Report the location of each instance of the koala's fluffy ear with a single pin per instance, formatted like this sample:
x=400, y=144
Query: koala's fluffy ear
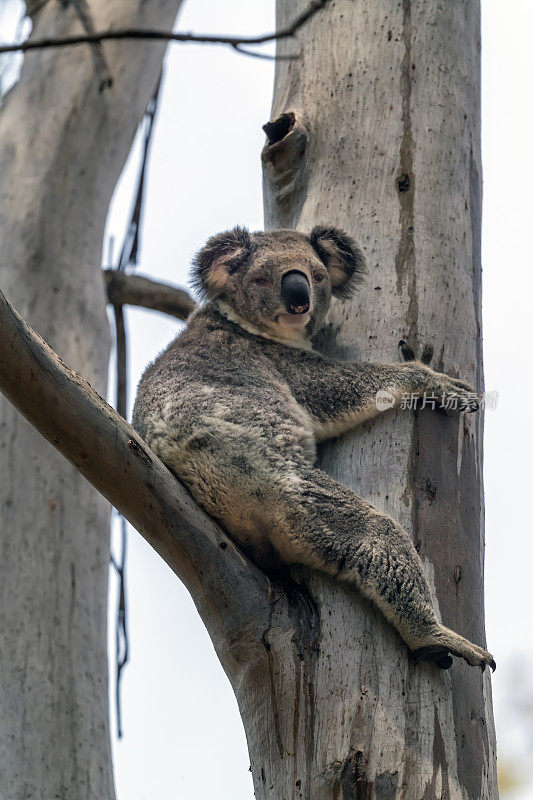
x=343, y=258
x=218, y=259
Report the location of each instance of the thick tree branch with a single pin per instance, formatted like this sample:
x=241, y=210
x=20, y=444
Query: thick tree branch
x=229, y=591
x=135, y=290
x=237, y=42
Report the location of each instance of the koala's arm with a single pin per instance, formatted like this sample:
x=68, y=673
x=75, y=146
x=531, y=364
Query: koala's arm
x=339, y=396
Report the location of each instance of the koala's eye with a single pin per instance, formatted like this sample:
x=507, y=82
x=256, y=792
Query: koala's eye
x=262, y=281
x=318, y=277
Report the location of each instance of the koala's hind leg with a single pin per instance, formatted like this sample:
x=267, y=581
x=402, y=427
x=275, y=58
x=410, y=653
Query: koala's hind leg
x=326, y=526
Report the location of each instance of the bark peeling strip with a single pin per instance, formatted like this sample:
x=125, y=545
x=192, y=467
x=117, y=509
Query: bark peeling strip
x=406, y=258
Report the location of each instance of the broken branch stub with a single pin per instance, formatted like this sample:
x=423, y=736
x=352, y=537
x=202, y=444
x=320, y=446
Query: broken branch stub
x=284, y=159
x=136, y=290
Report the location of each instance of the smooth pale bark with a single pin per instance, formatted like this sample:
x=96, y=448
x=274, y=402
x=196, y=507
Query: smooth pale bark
x=65, y=132
x=381, y=138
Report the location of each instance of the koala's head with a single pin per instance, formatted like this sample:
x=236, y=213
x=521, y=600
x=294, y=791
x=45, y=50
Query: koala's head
x=279, y=282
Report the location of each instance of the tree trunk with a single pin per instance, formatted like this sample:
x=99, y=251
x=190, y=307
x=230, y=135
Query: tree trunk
x=65, y=132
x=381, y=138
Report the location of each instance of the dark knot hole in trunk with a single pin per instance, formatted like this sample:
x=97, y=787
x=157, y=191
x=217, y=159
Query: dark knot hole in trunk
x=279, y=128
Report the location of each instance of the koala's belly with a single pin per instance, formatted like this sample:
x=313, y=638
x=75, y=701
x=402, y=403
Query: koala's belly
x=252, y=427
x=230, y=453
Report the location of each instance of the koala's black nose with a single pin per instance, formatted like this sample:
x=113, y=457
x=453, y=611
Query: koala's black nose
x=295, y=292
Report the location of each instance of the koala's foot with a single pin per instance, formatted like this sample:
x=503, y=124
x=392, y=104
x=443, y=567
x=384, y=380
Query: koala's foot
x=444, y=641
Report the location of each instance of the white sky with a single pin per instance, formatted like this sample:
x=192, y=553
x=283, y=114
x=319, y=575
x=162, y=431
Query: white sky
x=183, y=734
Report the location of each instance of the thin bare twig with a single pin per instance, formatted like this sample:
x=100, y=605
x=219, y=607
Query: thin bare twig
x=121, y=629
x=128, y=256
x=236, y=42
x=130, y=248
x=264, y=56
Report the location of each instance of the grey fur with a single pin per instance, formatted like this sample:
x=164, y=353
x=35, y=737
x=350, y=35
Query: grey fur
x=236, y=405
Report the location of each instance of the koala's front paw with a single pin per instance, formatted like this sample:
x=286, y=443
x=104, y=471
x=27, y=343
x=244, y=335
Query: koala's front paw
x=443, y=391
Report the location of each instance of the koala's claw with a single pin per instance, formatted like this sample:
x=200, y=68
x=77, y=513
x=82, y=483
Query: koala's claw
x=481, y=660
x=408, y=354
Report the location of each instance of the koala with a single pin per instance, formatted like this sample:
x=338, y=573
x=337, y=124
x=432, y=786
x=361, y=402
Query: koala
x=237, y=403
